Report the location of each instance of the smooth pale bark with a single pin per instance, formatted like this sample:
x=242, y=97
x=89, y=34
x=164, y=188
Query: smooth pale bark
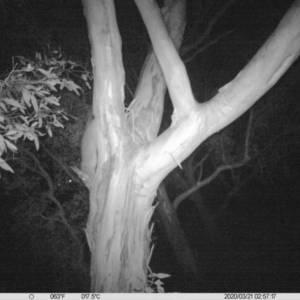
x=120, y=204
x=131, y=162
x=146, y=109
x=144, y=119
x=192, y=123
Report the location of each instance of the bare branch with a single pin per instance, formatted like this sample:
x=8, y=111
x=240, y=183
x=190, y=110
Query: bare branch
x=201, y=162
x=197, y=42
x=204, y=182
x=63, y=165
x=172, y=67
x=248, y=132
x=196, y=52
x=146, y=110
x=40, y=170
x=50, y=195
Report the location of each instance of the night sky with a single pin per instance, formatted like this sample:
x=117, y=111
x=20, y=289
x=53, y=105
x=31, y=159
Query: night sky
x=260, y=231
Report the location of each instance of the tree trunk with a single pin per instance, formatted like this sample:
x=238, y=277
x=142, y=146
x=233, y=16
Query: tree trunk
x=121, y=196
x=176, y=236
x=120, y=234
x=128, y=161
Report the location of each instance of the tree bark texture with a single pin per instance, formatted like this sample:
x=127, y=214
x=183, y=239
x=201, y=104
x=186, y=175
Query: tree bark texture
x=130, y=160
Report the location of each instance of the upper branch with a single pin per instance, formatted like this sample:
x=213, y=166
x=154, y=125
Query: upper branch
x=107, y=62
x=172, y=67
x=194, y=123
x=260, y=74
x=145, y=111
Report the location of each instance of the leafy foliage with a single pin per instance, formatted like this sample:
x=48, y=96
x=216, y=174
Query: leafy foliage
x=155, y=285
x=29, y=100
x=50, y=209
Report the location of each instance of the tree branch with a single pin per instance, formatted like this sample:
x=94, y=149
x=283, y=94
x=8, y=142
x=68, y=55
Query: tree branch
x=201, y=183
x=146, y=109
x=172, y=67
x=192, y=123
x=198, y=41
x=204, y=182
x=50, y=195
x=207, y=45
x=62, y=164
